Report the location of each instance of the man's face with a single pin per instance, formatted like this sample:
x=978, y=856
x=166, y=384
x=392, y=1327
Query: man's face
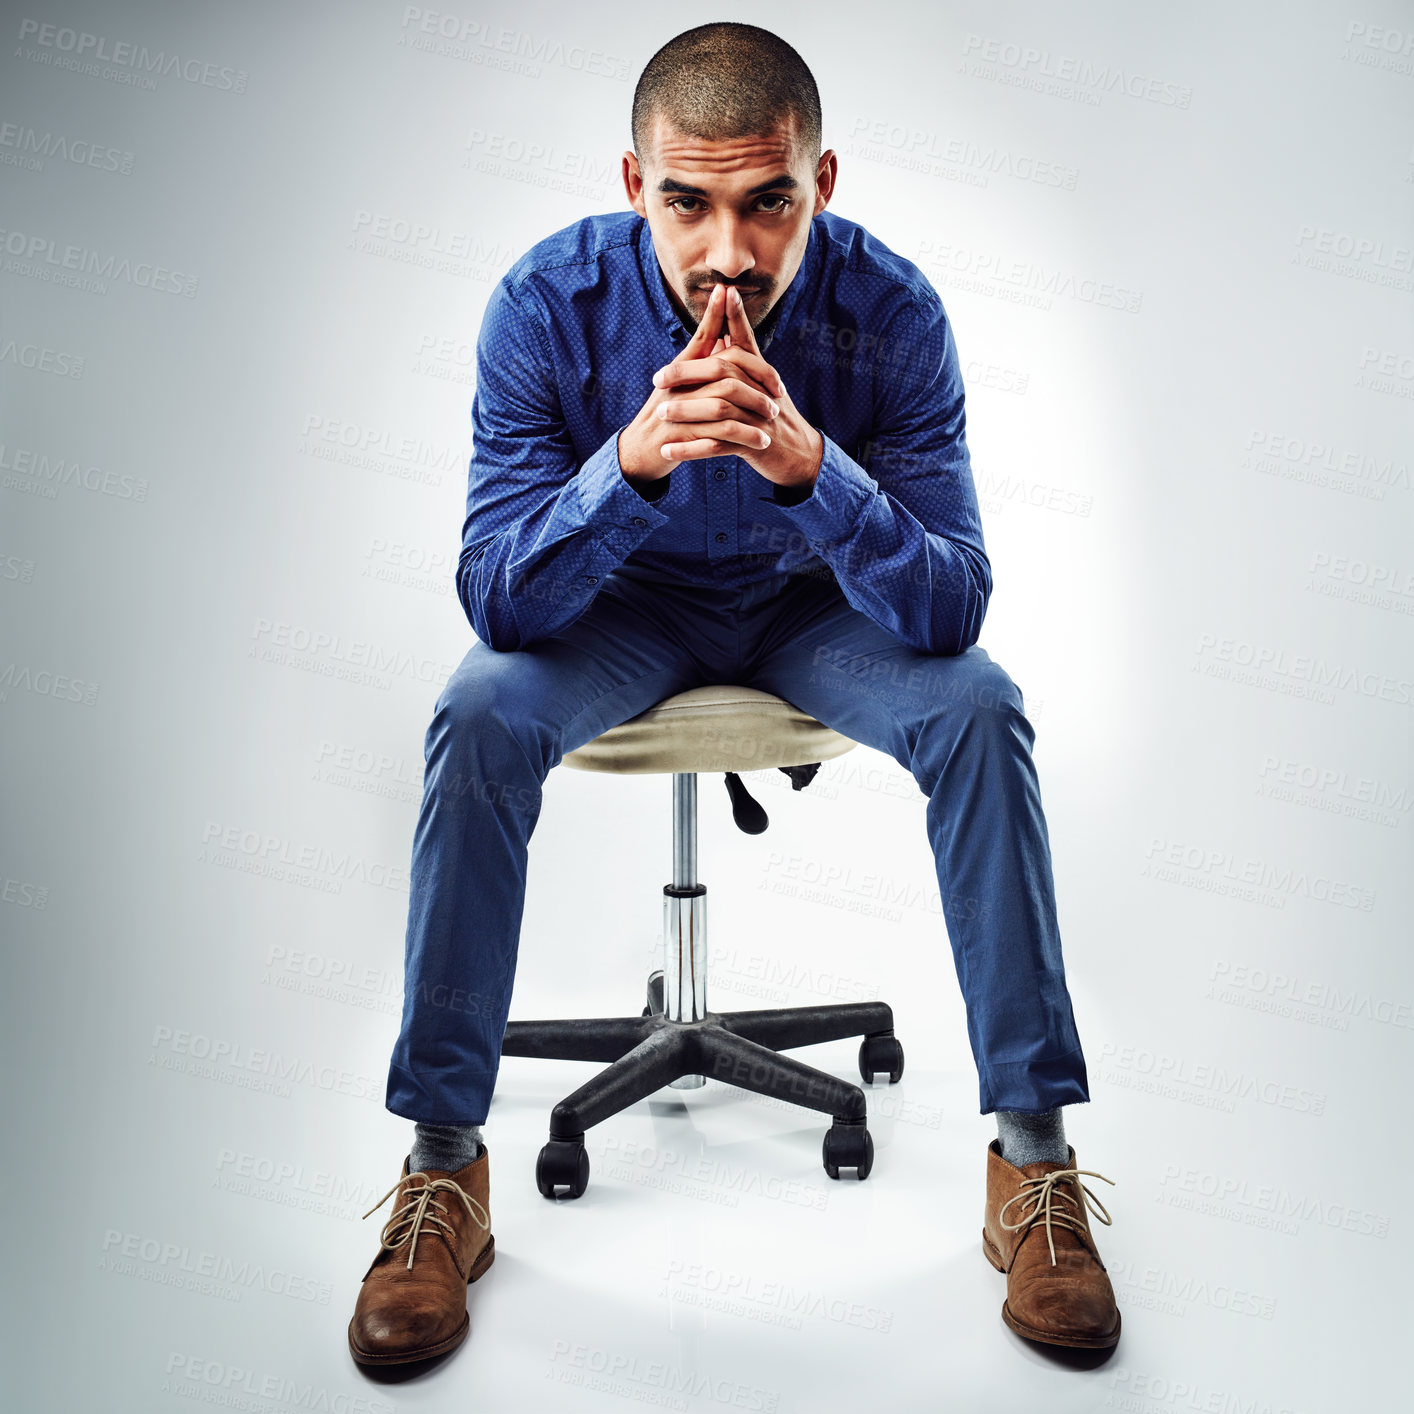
x=735, y=212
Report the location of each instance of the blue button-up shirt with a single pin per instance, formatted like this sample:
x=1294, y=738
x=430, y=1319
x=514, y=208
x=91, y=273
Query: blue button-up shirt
x=571, y=338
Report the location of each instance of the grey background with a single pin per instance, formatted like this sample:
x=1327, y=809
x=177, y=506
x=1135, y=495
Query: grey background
x=249, y=435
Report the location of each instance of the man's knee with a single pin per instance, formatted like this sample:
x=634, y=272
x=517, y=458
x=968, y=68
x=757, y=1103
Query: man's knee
x=979, y=706
x=995, y=691
x=487, y=693
x=972, y=684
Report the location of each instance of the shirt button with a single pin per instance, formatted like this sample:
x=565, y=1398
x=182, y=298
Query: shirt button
x=638, y=520
x=719, y=474
x=721, y=537
x=591, y=579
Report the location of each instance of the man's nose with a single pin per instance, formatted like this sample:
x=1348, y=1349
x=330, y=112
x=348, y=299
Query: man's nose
x=729, y=257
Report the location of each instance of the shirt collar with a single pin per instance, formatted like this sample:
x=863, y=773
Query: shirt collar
x=668, y=316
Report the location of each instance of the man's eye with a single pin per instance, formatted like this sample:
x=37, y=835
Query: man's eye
x=676, y=204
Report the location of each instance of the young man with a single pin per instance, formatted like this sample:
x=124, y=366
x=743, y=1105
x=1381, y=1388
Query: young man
x=721, y=438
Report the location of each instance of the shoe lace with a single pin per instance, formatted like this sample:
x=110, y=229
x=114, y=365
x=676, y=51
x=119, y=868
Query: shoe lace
x=408, y=1221
x=1042, y=1192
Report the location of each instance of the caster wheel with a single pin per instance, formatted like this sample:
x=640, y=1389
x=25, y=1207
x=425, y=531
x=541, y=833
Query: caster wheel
x=562, y=1164
x=880, y=1053
x=848, y=1146
x=655, y=995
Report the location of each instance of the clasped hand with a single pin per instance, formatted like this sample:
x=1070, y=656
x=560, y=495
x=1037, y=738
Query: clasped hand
x=721, y=399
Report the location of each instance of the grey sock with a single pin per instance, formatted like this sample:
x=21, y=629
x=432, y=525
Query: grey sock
x=444, y=1146
x=1029, y=1139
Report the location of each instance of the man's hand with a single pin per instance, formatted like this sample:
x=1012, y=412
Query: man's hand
x=725, y=400
x=714, y=408
x=641, y=442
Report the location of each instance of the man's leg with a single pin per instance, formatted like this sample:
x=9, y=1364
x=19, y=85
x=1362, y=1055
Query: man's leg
x=501, y=722
x=958, y=724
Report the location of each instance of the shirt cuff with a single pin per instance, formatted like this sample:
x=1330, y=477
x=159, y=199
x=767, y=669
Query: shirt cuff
x=653, y=490
x=837, y=500
x=609, y=501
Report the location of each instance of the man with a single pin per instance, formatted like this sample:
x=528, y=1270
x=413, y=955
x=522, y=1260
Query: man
x=721, y=438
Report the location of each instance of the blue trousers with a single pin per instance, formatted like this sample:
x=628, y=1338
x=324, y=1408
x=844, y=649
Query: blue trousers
x=503, y=719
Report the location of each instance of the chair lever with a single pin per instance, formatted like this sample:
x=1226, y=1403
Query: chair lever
x=800, y=776
x=746, y=809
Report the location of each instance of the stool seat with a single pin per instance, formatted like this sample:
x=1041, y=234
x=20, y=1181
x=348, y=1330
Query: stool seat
x=719, y=727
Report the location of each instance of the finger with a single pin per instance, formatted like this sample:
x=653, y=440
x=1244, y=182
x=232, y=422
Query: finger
x=709, y=328
x=730, y=363
x=723, y=343
x=691, y=451
x=697, y=345
x=738, y=325
x=755, y=366
x=730, y=398
x=740, y=434
x=740, y=390
x=701, y=447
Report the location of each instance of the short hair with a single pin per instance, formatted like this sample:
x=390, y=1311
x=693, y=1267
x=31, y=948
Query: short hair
x=726, y=80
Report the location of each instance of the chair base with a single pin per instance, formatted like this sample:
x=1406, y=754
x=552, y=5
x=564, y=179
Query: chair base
x=647, y=1052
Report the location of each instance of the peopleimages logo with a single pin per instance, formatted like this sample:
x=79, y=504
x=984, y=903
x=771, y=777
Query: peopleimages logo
x=1308, y=999
x=1210, y=1077
x=454, y=37
x=42, y=257
x=1334, y=791
x=900, y=140
x=206, y=1273
x=238, y=846
x=237, y=1387
x=281, y=642
x=653, y=1381
x=66, y=48
x=1033, y=67
x=1263, y=1205
x=25, y=146
x=41, y=359
x=748, y=1294
x=1171, y=860
x=1300, y=674
x=51, y=472
x=252, y=1067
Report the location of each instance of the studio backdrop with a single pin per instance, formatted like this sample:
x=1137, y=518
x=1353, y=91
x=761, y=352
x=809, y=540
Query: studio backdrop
x=244, y=255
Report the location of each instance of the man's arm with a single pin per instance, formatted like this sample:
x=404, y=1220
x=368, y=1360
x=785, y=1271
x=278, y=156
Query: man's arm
x=904, y=537
x=541, y=530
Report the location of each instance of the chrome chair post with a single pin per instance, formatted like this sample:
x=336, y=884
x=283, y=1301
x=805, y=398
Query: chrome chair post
x=685, y=921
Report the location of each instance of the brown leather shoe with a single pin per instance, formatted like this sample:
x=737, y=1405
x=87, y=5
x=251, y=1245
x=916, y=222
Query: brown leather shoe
x=1037, y=1231
x=412, y=1304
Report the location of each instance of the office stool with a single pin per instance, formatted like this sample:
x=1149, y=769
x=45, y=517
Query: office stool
x=677, y=1041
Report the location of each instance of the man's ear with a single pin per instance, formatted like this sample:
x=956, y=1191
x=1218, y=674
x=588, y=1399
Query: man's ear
x=825, y=173
x=633, y=183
